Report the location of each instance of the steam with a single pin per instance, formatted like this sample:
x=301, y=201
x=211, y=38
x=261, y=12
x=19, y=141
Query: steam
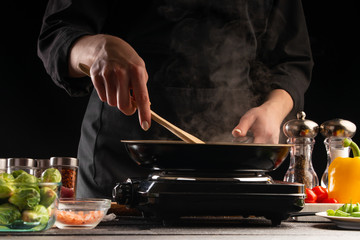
x=215, y=53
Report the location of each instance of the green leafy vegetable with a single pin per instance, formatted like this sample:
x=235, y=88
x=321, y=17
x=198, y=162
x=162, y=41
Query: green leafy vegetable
x=6, y=189
x=47, y=196
x=9, y=213
x=26, y=178
x=38, y=214
x=28, y=200
x=6, y=177
x=16, y=173
x=25, y=198
x=51, y=175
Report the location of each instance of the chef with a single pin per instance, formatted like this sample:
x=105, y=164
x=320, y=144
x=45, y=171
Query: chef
x=214, y=68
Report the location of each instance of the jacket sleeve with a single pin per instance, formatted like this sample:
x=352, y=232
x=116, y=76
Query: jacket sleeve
x=65, y=21
x=286, y=50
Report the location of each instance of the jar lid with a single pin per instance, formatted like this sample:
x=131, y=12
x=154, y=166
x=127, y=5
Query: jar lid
x=42, y=163
x=300, y=127
x=3, y=163
x=338, y=128
x=21, y=162
x=64, y=161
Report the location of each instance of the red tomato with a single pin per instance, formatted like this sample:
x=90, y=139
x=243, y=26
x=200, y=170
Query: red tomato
x=329, y=200
x=310, y=196
x=321, y=193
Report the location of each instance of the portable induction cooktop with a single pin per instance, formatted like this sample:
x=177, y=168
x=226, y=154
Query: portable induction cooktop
x=171, y=195
x=211, y=179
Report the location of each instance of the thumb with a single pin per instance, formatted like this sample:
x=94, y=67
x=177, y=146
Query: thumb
x=243, y=127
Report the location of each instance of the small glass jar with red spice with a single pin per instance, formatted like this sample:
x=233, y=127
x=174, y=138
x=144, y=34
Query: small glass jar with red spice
x=68, y=167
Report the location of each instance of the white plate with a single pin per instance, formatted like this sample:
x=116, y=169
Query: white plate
x=342, y=222
x=314, y=208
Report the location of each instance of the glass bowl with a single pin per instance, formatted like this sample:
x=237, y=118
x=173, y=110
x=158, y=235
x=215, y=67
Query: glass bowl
x=81, y=213
x=27, y=207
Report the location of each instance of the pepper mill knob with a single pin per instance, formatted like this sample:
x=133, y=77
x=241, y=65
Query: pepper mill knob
x=338, y=128
x=301, y=115
x=300, y=127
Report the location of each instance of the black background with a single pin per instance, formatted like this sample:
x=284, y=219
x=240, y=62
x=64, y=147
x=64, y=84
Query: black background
x=40, y=120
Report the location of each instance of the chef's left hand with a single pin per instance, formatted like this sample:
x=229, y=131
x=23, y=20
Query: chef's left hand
x=265, y=120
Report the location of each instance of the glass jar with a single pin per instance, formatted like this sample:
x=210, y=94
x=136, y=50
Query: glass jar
x=301, y=133
x=334, y=148
x=301, y=169
x=68, y=167
x=26, y=164
x=3, y=164
x=334, y=131
x=41, y=166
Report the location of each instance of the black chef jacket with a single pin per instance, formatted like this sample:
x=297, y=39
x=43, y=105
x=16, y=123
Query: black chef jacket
x=209, y=61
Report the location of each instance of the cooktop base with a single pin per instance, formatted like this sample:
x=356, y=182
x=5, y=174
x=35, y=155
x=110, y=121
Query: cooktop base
x=171, y=199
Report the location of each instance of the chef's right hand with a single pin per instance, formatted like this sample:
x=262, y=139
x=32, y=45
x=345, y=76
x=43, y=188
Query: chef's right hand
x=265, y=120
x=118, y=73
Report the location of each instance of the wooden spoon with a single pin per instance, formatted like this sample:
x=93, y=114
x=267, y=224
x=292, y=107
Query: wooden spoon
x=185, y=136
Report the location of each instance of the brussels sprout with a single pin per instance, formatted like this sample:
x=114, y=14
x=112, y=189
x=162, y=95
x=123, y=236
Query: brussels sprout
x=25, y=198
x=38, y=214
x=47, y=196
x=6, y=177
x=51, y=175
x=8, y=213
x=25, y=177
x=50, y=211
x=16, y=173
x=6, y=189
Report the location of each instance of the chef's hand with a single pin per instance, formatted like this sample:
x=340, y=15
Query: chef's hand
x=265, y=121
x=118, y=73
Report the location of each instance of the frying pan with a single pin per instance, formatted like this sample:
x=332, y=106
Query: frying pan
x=211, y=156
